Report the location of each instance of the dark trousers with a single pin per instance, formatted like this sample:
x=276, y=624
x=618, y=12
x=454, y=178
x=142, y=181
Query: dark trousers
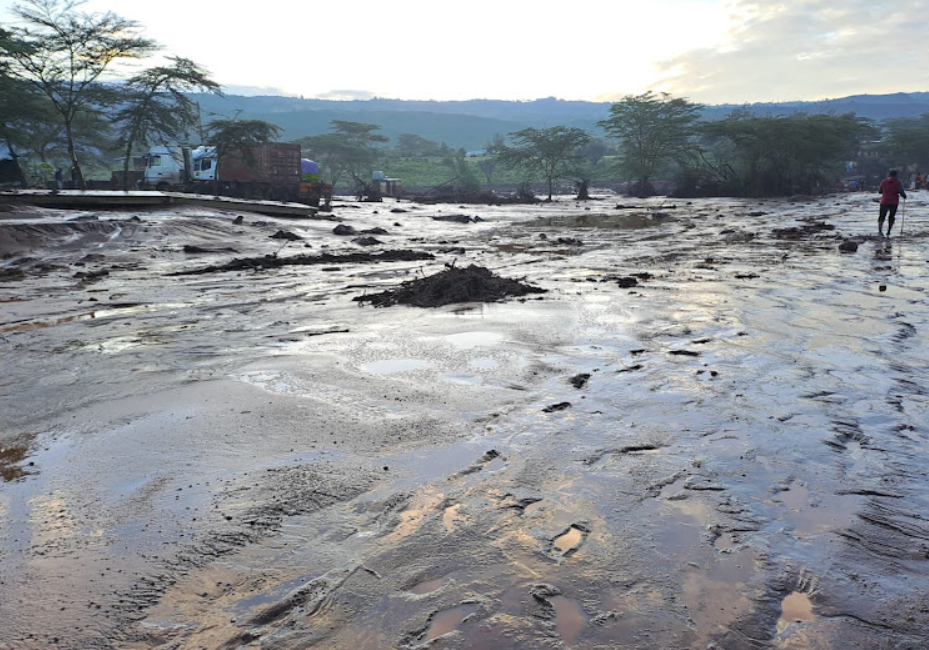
x=887, y=210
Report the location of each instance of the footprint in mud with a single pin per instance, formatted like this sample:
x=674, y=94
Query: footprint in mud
x=447, y=621
x=568, y=615
x=568, y=542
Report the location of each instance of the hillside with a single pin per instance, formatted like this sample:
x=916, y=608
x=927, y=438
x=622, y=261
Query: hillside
x=470, y=124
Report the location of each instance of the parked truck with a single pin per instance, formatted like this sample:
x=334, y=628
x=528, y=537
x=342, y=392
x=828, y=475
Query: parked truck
x=272, y=171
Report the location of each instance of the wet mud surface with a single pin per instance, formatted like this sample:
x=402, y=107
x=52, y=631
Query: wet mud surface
x=709, y=431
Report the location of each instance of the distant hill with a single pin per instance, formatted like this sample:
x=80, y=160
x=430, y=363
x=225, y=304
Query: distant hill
x=471, y=124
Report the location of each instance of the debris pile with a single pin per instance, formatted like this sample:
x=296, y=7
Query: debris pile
x=453, y=285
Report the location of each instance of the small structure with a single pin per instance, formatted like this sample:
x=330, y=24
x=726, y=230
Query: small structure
x=392, y=187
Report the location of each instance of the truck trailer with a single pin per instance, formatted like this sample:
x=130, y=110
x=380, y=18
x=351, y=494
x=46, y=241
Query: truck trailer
x=271, y=171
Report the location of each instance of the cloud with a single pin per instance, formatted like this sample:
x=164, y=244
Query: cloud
x=812, y=49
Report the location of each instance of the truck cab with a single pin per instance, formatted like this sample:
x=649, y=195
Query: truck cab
x=166, y=167
x=203, y=164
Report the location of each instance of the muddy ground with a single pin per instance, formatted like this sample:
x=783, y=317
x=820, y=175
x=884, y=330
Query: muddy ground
x=709, y=432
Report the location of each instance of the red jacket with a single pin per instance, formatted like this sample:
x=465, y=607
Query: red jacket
x=891, y=191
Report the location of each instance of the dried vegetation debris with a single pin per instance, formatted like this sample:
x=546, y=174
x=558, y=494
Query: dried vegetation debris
x=453, y=285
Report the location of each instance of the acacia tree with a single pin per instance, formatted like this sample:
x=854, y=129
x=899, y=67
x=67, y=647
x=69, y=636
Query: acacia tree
x=63, y=52
x=652, y=130
x=906, y=140
x=550, y=153
x=155, y=105
x=770, y=156
x=349, y=148
x=23, y=112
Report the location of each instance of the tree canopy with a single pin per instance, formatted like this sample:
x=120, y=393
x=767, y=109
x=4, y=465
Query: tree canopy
x=765, y=156
x=349, y=148
x=63, y=52
x=155, y=105
x=653, y=131
x=551, y=153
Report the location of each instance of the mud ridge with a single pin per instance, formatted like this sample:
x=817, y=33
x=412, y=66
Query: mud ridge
x=273, y=262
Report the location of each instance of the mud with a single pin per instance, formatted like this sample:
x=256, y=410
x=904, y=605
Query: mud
x=730, y=453
x=453, y=285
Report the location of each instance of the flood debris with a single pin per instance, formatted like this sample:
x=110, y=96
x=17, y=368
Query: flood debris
x=580, y=380
x=453, y=285
x=804, y=231
x=848, y=246
x=454, y=218
x=286, y=234
x=344, y=230
x=272, y=261
x=554, y=408
x=192, y=249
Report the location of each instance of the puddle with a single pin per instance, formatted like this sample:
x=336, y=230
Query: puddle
x=796, y=497
x=460, y=378
x=427, y=587
x=465, y=340
x=530, y=509
x=673, y=489
x=724, y=542
x=390, y=366
x=716, y=597
x=568, y=541
x=814, y=516
x=797, y=608
x=570, y=618
x=447, y=621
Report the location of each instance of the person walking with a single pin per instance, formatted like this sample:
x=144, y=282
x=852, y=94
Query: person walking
x=891, y=190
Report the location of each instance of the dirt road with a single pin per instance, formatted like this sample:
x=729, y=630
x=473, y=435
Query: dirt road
x=709, y=432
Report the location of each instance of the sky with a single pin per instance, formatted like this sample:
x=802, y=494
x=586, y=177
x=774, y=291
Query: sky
x=709, y=51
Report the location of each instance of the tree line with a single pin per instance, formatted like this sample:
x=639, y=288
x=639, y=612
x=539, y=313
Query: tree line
x=56, y=106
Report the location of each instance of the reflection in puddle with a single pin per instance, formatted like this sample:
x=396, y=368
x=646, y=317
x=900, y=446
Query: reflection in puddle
x=568, y=541
x=717, y=597
x=673, y=489
x=797, y=608
x=796, y=497
x=814, y=516
x=447, y=621
x=531, y=508
x=427, y=587
x=388, y=366
x=569, y=618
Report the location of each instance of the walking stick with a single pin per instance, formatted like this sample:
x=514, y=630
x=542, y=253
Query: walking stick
x=903, y=216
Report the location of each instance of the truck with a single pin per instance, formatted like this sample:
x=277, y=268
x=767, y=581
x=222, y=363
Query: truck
x=272, y=171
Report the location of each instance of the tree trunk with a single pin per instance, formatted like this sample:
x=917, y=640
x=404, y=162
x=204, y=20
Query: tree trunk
x=15, y=157
x=583, y=193
x=126, y=160
x=77, y=174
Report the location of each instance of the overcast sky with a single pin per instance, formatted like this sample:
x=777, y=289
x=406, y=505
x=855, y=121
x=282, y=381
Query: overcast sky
x=710, y=51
